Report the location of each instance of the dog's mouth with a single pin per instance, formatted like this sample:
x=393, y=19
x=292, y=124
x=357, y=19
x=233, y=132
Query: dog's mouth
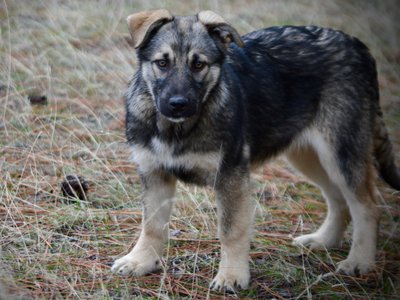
x=176, y=120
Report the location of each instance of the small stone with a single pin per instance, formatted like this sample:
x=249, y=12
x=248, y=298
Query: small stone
x=37, y=99
x=75, y=187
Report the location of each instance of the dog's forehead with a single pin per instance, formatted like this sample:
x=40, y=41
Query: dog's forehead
x=182, y=36
x=186, y=24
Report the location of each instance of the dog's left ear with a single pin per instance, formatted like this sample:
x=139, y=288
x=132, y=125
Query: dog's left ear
x=141, y=24
x=219, y=28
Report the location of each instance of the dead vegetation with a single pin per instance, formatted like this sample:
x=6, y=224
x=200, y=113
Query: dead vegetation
x=77, y=55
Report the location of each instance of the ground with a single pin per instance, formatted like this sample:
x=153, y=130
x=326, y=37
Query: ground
x=74, y=60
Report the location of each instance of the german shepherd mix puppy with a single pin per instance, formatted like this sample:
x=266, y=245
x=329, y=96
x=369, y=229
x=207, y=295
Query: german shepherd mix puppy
x=207, y=106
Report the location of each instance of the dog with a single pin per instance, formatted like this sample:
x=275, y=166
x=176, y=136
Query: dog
x=208, y=106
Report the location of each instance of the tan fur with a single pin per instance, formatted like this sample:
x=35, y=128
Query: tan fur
x=312, y=155
x=235, y=220
x=229, y=34
x=145, y=255
x=208, y=17
x=330, y=233
x=142, y=22
x=365, y=217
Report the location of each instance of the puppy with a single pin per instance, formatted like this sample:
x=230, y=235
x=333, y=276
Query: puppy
x=207, y=106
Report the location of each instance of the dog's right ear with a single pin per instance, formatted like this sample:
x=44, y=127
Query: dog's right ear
x=141, y=24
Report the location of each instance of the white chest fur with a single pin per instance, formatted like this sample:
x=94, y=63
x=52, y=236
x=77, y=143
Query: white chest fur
x=162, y=155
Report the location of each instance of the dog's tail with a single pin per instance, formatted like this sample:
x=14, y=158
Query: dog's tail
x=384, y=154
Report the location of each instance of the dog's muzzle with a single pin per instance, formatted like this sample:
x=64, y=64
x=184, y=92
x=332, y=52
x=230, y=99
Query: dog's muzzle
x=178, y=108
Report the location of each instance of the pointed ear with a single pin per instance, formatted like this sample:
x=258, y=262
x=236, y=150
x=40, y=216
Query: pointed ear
x=219, y=28
x=141, y=24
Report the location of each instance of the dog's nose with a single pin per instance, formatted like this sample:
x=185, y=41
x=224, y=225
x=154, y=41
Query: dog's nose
x=178, y=103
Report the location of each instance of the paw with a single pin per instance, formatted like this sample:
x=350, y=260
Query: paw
x=136, y=264
x=315, y=241
x=229, y=279
x=355, y=267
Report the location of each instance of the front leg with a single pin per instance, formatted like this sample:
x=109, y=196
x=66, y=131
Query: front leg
x=157, y=204
x=235, y=218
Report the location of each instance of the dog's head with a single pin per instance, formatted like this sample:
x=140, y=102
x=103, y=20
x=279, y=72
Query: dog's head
x=180, y=57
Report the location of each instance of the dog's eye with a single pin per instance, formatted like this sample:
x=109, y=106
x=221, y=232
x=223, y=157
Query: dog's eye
x=198, y=66
x=162, y=63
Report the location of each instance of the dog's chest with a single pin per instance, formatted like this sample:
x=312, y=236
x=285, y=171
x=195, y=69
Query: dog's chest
x=192, y=166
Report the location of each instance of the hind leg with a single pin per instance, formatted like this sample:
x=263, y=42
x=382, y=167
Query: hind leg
x=365, y=216
x=352, y=173
x=330, y=233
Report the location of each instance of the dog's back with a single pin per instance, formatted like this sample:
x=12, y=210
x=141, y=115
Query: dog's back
x=294, y=78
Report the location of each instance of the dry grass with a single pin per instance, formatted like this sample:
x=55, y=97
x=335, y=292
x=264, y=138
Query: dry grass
x=76, y=53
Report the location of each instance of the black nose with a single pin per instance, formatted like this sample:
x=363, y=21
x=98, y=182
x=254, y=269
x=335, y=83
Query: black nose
x=178, y=103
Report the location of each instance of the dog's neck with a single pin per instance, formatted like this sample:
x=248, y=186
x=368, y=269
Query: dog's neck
x=169, y=130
